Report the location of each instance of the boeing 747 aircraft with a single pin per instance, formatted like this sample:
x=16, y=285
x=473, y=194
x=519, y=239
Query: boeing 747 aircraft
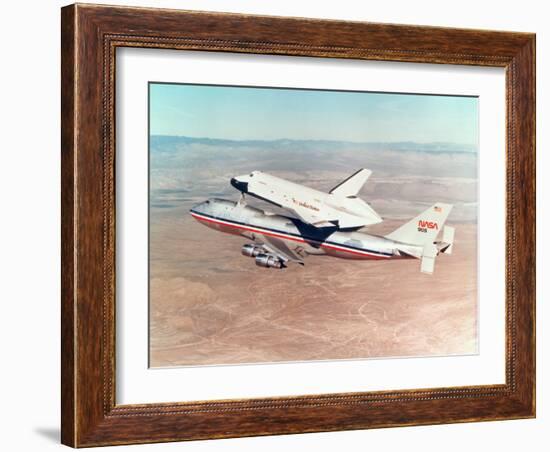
x=275, y=241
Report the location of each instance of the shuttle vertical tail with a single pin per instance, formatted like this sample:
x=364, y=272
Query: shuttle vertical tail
x=353, y=184
x=424, y=228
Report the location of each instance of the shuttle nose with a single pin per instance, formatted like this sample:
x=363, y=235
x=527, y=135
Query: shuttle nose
x=241, y=186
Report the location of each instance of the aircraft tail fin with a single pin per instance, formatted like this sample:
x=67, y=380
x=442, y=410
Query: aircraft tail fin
x=353, y=184
x=423, y=229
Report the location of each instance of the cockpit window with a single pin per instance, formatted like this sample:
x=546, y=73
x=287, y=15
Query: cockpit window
x=251, y=174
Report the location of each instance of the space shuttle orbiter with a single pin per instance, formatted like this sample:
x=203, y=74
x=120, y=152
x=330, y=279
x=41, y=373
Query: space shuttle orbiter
x=340, y=207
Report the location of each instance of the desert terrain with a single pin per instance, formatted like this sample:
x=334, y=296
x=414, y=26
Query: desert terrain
x=211, y=305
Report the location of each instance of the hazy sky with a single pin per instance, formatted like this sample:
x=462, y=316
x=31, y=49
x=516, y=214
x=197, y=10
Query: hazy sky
x=266, y=114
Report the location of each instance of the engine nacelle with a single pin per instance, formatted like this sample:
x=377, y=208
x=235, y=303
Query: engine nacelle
x=251, y=250
x=268, y=261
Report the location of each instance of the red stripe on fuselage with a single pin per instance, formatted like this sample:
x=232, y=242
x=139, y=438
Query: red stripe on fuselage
x=286, y=237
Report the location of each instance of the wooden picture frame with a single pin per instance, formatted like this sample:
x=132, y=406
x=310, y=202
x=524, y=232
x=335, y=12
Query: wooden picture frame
x=90, y=36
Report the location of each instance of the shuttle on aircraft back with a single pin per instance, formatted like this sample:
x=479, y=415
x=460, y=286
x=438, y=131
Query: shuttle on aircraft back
x=321, y=226
x=340, y=208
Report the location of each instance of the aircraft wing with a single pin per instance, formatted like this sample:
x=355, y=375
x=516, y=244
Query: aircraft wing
x=279, y=248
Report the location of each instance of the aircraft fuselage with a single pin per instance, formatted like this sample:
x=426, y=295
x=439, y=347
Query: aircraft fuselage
x=239, y=219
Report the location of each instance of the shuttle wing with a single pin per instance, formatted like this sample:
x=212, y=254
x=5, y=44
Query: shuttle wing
x=329, y=216
x=342, y=213
x=313, y=218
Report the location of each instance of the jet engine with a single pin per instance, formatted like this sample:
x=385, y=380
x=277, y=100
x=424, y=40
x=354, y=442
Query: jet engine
x=251, y=250
x=268, y=261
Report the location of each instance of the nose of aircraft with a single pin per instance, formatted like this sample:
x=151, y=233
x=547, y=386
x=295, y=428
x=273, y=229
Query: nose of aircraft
x=200, y=208
x=239, y=185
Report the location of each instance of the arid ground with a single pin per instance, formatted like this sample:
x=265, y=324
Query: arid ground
x=211, y=305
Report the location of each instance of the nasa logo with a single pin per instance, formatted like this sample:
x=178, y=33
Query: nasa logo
x=424, y=225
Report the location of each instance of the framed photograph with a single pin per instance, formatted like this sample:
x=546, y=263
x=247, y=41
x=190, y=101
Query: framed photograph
x=282, y=225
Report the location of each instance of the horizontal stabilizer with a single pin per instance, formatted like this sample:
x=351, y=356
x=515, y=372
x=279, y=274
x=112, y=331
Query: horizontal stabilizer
x=353, y=184
x=427, y=263
x=448, y=237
